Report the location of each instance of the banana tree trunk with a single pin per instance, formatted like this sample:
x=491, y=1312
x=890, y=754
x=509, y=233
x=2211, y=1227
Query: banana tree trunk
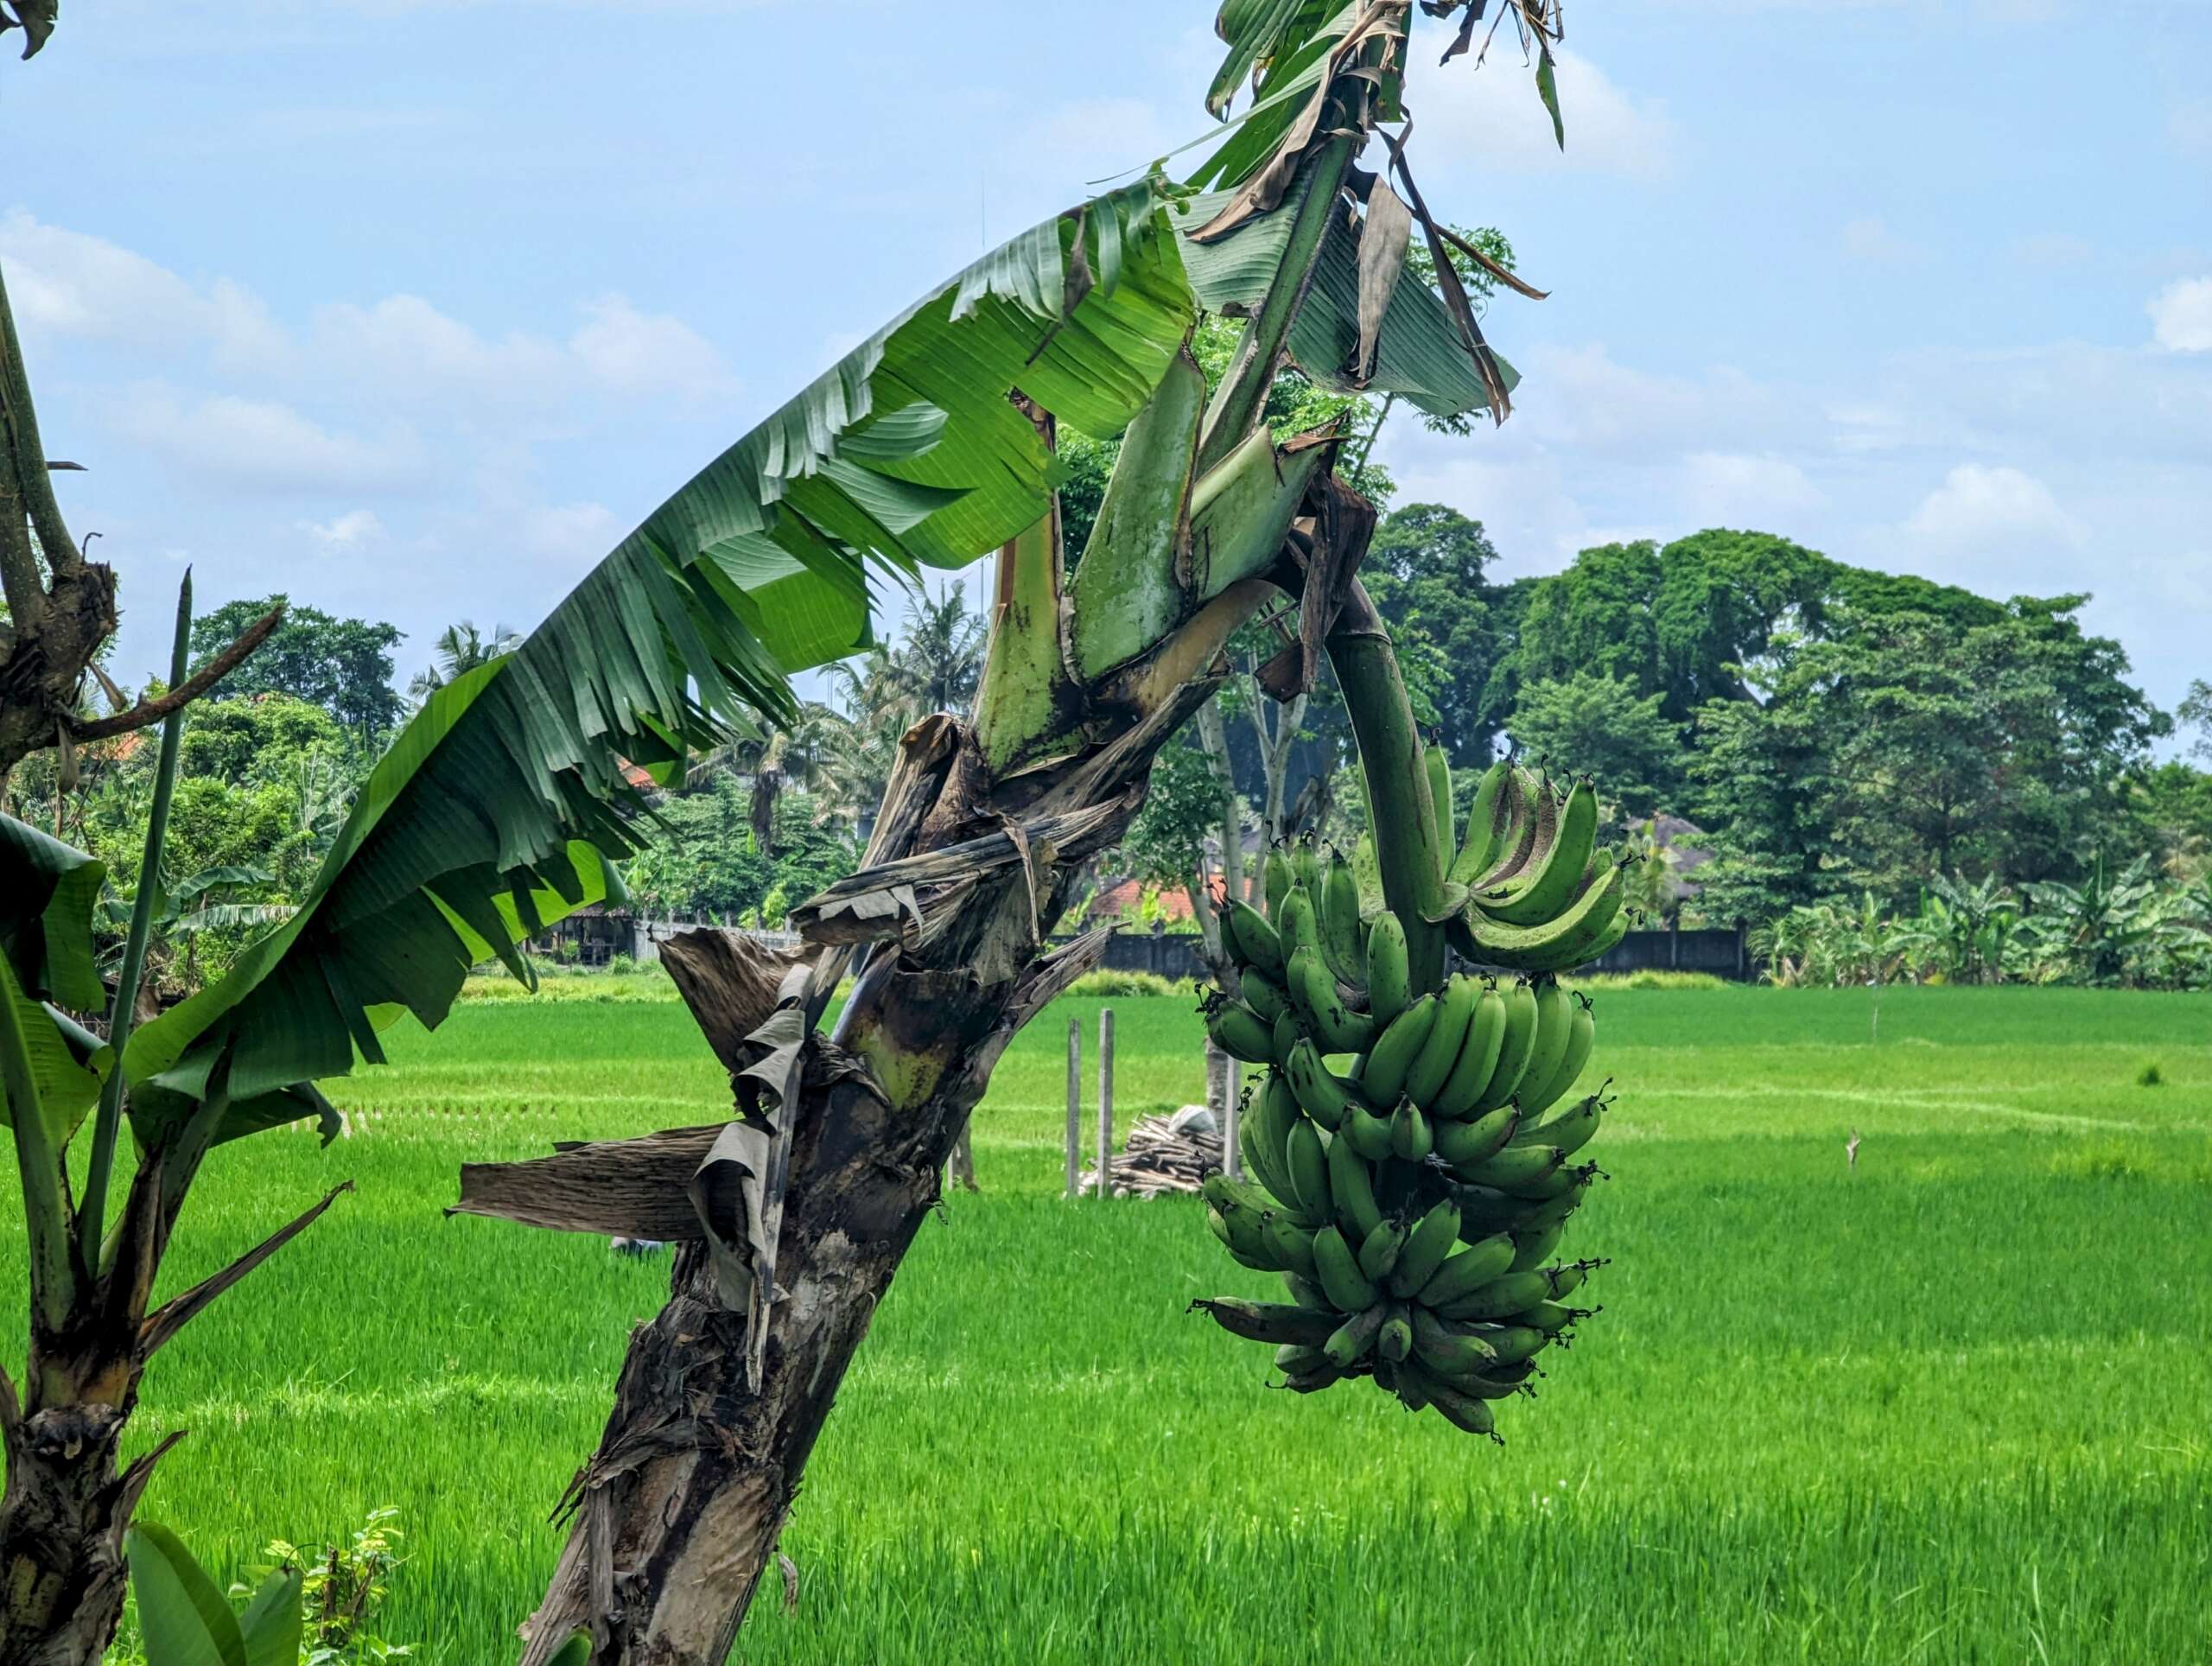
x=68, y=1501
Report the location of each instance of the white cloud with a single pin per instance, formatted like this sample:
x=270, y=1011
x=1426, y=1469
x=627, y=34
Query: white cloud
x=1727, y=489
x=350, y=530
x=264, y=446
x=568, y=530
x=2181, y=315
x=1996, y=511
x=646, y=354
x=1494, y=114
x=1869, y=238
x=71, y=284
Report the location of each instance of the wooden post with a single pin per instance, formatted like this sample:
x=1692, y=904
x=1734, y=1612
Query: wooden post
x=1231, y=1118
x=1105, y=1101
x=1075, y=1104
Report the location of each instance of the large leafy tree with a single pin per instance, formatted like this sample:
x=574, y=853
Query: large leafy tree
x=344, y=665
x=1590, y=724
x=1428, y=571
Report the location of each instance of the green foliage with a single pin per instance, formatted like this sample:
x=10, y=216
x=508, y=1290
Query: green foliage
x=1108, y=985
x=1426, y=570
x=1167, y=843
x=1595, y=725
x=2128, y=929
x=704, y=857
x=183, y=1620
x=343, y=665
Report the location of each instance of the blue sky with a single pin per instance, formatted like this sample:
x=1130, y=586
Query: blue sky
x=412, y=310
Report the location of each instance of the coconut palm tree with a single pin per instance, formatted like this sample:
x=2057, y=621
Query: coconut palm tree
x=460, y=648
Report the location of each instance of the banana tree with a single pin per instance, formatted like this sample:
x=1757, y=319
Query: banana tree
x=507, y=802
x=794, y=1215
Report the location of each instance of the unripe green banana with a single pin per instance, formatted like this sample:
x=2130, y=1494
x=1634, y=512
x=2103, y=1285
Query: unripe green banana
x=1558, y=946
x=1439, y=797
x=1321, y=1093
x=1383, y=1080
x=1567, y=1280
x=1430, y=1331
x=1226, y=1195
x=1295, y=1361
x=1351, y=1340
x=1238, y=1032
x=1560, y=1205
x=1555, y=1183
x=1478, y=1060
x=1338, y=1270
x=1522, y=801
x=1308, y=1162
x=1314, y=994
x=1488, y=819
x=1306, y=867
x=1473, y=1268
x=1240, y=1230
x=1306, y=1292
x=1276, y=878
x=1516, y=1166
x=1290, y=1244
x=1430, y=1242
x=1267, y=1138
x=1389, y=991
x=1581, y=1038
x=1351, y=1188
x=1380, y=1249
x=1264, y=994
x=1555, y=1020
x=1515, y=1345
x=1367, y=1133
x=1254, y=940
x=1451, y=1357
x=1514, y=1293
x=1463, y=1411
x=1324, y=1377
x=1512, y=1051
x=1572, y=1129
x=1395, y=1339
x=1469, y=1145
x=1217, y=1223
x=1411, y=1140
x=1531, y=1248
x=1548, y=1318
x=1267, y=1321
x=1338, y=908
x=1432, y=1065
x=1297, y=925
x=1545, y=889
x=1286, y=1033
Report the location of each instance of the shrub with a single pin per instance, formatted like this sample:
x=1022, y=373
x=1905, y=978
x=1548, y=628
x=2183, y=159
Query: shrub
x=1124, y=985
x=2149, y=1076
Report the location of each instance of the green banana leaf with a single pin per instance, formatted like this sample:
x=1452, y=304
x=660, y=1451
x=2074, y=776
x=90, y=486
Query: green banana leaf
x=183, y=1620
x=1419, y=354
x=500, y=807
x=47, y=893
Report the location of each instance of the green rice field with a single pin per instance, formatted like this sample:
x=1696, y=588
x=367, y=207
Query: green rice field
x=1953, y=1405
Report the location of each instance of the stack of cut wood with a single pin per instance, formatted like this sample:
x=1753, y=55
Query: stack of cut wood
x=1164, y=1153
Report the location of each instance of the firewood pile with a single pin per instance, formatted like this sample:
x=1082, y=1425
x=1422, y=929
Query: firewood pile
x=1163, y=1154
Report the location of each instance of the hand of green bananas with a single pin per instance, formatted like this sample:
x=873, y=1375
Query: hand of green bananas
x=1411, y=1203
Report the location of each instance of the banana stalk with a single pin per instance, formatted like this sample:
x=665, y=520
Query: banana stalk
x=1394, y=766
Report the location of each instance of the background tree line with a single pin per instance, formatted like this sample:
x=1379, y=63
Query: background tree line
x=1861, y=756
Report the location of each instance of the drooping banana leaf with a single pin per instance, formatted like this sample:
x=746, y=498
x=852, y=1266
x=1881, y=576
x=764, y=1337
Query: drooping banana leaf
x=500, y=808
x=1419, y=354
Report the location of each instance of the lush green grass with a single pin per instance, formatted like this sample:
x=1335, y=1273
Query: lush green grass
x=1947, y=1408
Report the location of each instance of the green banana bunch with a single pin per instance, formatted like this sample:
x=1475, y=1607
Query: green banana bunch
x=1413, y=1149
